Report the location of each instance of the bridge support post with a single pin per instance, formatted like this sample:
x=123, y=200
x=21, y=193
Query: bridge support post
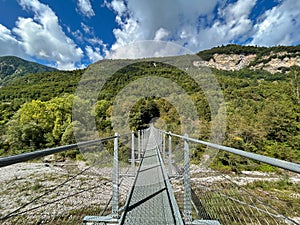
x=164, y=146
x=132, y=153
x=187, y=183
x=170, y=154
x=142, y=141
x=139, y=145
x=160, y=139
x=115, y=197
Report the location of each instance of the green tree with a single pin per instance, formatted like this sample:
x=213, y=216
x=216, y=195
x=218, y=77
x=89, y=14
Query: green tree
x=295, y=80
x=40, y=124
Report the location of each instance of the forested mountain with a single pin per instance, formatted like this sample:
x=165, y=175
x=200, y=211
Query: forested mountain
x=12, y=67
x=263, y=108
x=247, y=50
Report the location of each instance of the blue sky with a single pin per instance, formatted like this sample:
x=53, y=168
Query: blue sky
x=69, y=34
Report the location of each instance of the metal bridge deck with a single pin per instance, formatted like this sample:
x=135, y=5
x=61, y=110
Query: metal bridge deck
x=150, y=199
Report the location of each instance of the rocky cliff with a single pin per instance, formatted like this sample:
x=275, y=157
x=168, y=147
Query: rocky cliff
x=272, y=61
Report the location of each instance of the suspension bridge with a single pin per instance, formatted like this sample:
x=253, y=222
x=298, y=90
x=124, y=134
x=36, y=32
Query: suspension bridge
x=159, y=185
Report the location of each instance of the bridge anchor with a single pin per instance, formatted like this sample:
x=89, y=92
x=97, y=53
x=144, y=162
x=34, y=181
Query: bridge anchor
x=99, y=220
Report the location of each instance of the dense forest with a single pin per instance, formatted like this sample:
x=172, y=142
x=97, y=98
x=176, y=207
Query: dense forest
x=263, y=109
x=12, y=67
x=249, y=50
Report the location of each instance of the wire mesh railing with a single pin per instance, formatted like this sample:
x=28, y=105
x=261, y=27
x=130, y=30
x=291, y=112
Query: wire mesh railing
x=60, y=192
x=64, y=193
x=236, y=199
x=240, y=197
x=49, y=195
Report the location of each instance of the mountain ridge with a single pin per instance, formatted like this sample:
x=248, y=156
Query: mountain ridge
x=12, y=67
x=232, y=57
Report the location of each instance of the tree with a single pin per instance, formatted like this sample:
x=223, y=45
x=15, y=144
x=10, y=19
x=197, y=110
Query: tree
x=295, y=80
x=143, y=112
x=40, y=124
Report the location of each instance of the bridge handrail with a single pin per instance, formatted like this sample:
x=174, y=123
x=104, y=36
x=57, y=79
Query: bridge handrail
x=9, y=160
x=294, y=167
x=170, y=192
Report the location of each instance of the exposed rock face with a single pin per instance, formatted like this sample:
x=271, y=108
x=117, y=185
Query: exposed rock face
x=230, y=62
x=233, y=62
x=275, y=64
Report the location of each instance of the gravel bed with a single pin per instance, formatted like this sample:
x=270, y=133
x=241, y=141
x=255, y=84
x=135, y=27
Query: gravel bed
x=40, y=193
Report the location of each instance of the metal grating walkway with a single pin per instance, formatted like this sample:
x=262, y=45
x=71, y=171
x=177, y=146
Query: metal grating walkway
x=151, y=200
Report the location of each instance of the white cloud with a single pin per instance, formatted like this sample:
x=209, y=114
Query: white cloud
x=189, y=23
x=93, y=54
x=9, y=45
x=147, y=49
x=85, y=7
x=161, y=34
x=95, y=41
x=77, y=34
x=238, y=10
x=196, y=25
x=86, y=28
x=43, y=37
x=279, y=25
x=118, y=6
x=233, y=24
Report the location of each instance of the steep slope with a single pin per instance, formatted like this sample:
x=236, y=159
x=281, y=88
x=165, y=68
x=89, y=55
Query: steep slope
x=277, y=59
x=12, y=67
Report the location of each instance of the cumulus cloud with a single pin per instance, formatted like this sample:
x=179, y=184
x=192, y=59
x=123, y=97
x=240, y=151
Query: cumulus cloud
x=199, y=25
x=43, y=37
x=9, y=45
x=93, y=54
x=147, y=49
x=85, y=7
x=191, y=24
x=161, y=34
x=279, y=25
x=233, y=24
x=118, y=6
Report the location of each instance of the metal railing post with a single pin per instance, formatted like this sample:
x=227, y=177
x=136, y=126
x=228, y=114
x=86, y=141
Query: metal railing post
x=164, y=146
x=161, y=140
x=115, y=197
x=187, y=183
x=139, y=145
x=170, y=154
x=132, y=152
x=143, y=140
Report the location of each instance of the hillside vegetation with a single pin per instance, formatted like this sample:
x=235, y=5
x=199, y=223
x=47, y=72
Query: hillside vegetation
x=263, y=109
x=248, y=50
x=12, y=67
